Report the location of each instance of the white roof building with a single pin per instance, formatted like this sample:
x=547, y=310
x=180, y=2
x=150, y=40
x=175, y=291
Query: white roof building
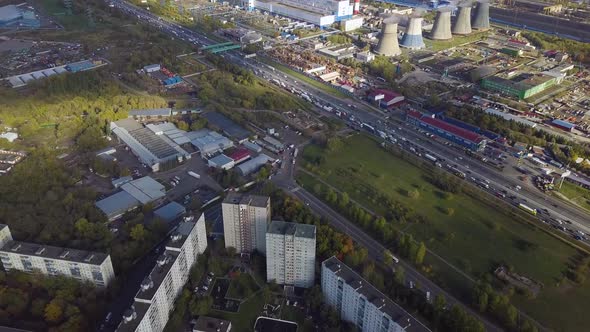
x=10, y=136
x=208, y=141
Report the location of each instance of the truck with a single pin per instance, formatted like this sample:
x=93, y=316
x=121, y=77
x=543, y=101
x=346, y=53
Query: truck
x=193, y=174
x=382, y=134
x=527, y=209
x=430, y=157
x=368, y=127
x=295, y=153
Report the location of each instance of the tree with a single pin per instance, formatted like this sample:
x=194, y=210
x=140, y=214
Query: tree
x=399, y=275
x=420, y=254
x=439, y=305
x=387, y=257
x=138, y=233
x=53, y=311
x=201, y=305
x=182, y=125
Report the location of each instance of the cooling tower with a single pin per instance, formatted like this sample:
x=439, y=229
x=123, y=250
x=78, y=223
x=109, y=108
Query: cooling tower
x=413, y=36
x=441, y=30
x=388, y=44
x=463, y=21
x=481, y=19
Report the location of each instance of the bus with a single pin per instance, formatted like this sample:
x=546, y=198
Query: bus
x=527, y=209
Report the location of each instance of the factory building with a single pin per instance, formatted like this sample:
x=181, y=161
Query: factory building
x=155, y=151
x=446, y=130
x=253, y=164
x=360, y=303
x=510, y=117
x=93, y=267
x=521, y=86
x=290, y=254
x=228, y=126
x=158, y=292
x=321, y=13
x=170, y=211
x=245, y=219
x=150, y=114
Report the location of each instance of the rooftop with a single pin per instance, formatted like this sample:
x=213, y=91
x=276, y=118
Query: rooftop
x=463, y=133
x=9, y=13
x=221, y=160
x=227, y=125
x=245, y=199
x=180, y=234
x=151, y=112
x=153, y=281
x=239, y=154
x=373, y=295
x=170, y=211
x=144, y=189
x=291, y=228
x=117, y=204
x=45, y=251
x=210, y=324
x=129, y=325
x=266, y=324
x=564, y=124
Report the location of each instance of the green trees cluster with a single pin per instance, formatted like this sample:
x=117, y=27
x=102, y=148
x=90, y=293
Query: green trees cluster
x=339, y=39
x=39, y=303
x=486, y=300
x=579, y=50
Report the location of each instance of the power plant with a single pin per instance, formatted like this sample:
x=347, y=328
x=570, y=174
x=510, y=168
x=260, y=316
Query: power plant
x=413, y=37
x=388, y=44
x=462, y=24
x=481, y=19
x=441, y=30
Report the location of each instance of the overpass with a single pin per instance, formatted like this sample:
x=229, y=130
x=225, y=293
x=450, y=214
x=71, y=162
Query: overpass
x=220, y=48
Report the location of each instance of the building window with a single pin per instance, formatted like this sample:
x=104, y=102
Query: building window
x=27, y=264
x=97, y=275
x=75, y=271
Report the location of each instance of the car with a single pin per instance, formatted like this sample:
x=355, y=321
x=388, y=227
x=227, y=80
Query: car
x=211, y=274
x=108, y=317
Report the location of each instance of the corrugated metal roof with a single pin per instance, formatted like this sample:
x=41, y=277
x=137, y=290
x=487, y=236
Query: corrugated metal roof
x=170, y=211
x=463, y=133
x=144, y=189
x=221, y=160
x=564, y=124
x=117, y=204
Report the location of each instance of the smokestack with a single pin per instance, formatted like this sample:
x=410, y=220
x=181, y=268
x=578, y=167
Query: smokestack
x=481, y=19
x=463, y=21
x=357, y=6
x=413, y=37
x=441, y=30
x=388, y=44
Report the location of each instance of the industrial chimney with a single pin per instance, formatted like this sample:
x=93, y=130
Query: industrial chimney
x=441, y=30
x=413, y=37
x=481, y=19
x=462, y=24
x=388, y=44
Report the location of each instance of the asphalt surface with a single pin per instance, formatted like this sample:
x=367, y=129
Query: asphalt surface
x=543, y=23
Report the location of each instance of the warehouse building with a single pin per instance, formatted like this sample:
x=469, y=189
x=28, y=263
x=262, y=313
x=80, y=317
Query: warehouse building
x=253, y=164
x=252, y=146
x=521, y=86
x=155, y=151
x=169, y=130
x=221, y=161
x=170, y=211
x=385, y=98
x=209, y=142
x=446, y=130
x=239, y=155
x=564, y=125
x=321, y=13
x=133, y=194
x=150, y=113
x=227, y=126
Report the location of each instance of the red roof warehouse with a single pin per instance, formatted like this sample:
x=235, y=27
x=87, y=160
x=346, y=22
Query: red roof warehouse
x=239, y=155
x=385, y=98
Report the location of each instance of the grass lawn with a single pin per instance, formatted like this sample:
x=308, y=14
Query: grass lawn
x=302, y=77
x=243, y=320
x=438, y=45
x=55, y=8
x=296, y=315
x=576, y=194
x=242, y=287
x=476, y=238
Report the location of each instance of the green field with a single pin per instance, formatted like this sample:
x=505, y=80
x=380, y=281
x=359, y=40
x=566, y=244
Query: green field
x=576, y=194
x=438, y=45
x=476, y=238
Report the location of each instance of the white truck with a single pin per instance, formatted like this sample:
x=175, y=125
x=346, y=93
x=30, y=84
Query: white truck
x=193, y=174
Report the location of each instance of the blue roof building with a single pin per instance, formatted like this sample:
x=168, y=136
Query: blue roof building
x=170, y=211
x=563, y=125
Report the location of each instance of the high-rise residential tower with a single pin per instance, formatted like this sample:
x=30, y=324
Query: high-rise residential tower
x=245, y=219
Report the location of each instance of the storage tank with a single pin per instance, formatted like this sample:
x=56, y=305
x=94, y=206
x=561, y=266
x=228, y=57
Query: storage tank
x=441, y=30
x=462, y=24
x=481, y=19
x=413, y=37
x=388, y=44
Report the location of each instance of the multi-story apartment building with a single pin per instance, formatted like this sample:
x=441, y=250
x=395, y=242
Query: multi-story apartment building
x=290, y=253
x=158, y=291
x=82, y=265
x=360, y=303
x=245, y=219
